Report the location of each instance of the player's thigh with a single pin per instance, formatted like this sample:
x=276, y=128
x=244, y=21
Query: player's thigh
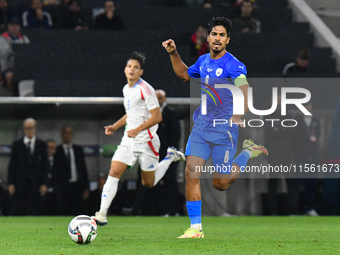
x=223, y=157
x=117, y=169
x=148, y=178
x=197, y=145
x=148, y=154
x=148, y=160
x=148, y=164
x=223, y=152
x=122, y=158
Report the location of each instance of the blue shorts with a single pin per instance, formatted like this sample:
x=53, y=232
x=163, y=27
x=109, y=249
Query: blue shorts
x=220, y=146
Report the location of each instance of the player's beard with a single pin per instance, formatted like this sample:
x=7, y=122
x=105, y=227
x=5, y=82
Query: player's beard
x=216, y=51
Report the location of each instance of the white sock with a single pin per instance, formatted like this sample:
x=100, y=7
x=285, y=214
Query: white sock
x=197, y=226
x=161, y=169
x=108, y=194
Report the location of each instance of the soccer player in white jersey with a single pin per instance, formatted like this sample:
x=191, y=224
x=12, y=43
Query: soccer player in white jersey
x=140, y=140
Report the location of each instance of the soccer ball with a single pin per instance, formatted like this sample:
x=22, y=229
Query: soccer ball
x=82, y=229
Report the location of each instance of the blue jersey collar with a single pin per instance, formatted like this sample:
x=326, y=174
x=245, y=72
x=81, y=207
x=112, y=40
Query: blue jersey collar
x=218, y=58
x=139, y=81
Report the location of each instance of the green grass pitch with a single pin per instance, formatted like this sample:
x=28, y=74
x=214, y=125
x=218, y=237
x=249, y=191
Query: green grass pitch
x=158, y=235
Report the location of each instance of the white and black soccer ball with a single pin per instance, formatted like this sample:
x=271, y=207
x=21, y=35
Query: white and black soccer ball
x=82, y=229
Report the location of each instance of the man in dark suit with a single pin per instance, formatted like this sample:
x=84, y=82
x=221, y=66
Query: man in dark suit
x=169, y=132
x=27, y=172
x=69, y=176
x=109, y=19
x=165, y=197
x=306, y=152
x=50, y=201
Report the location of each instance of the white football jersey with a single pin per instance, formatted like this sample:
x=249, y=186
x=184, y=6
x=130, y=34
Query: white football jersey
x=138, y=101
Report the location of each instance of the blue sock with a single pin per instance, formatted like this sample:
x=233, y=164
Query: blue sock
x=242, y=159
x=194, y=212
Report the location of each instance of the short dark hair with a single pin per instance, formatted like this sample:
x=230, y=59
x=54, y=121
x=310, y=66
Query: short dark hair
x=205, y=26
x=74, y=1
x=140, y=57
x=64, y=127
x=304, y=53
x=50, y=141
x=220, y=21
x=247, y=1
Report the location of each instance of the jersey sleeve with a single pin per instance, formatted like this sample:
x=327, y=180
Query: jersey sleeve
x=149, y=96
x=238, y=73
x=123, y=90
x=194, y=70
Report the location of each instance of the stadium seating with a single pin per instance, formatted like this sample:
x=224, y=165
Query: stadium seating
x=91, y=63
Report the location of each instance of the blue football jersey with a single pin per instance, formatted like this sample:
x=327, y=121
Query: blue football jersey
x=219, y=100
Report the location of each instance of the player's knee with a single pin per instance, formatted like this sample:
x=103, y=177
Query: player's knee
x=187, y=172
x=114, y=173
x=232, y=180
x=190, y=175
x=221, y=184
x=148, y=183
x=190, y=178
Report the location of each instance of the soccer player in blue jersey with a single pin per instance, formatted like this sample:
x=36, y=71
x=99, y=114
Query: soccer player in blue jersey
x=206, y=139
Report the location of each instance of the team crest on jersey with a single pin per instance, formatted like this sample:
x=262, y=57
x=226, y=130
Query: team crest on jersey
x=219, y=71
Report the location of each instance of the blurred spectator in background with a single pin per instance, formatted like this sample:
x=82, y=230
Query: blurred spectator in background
x=306, y=151
x=236, y=4
x=50, y=201
x=198, y=3
x=331, y=185
x=278, y=140
x=5, y=14
x=27, y=172
x=169, y=132
x=4, y=201
x=109, y=19
x=35, y=17
x=72, y=17
x=246, y=23
x=165, y=197
x=51, y=2
x=199, y=45
x=13, y=34
x=7, y=65
x=70, y=178
x=216, y=4
x=63, y=4
x=300, y=66
x=174, y=3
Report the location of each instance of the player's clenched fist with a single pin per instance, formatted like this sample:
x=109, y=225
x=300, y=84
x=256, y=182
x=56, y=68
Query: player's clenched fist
x=170, y=46
x=109, y=130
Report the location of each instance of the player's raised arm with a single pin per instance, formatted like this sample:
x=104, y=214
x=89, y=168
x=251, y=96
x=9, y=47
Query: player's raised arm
x=180, y=69
x=109, y=130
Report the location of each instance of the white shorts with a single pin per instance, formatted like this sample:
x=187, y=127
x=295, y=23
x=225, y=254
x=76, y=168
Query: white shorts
x=128, y=152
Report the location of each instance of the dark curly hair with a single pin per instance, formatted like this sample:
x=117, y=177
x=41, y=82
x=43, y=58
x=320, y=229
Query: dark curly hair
x=220, y=21
x=140, y=57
